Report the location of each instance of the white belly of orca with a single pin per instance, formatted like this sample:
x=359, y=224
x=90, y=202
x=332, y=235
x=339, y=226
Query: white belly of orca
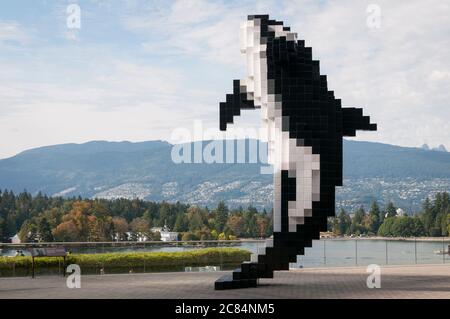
x=283, y=152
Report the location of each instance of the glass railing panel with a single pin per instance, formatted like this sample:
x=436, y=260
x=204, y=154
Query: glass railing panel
x=372, y=252
x=313, y=257
x=429, y=251
x=401, y=251
x=341, y=252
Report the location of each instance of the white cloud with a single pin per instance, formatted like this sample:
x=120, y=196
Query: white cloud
x=116, y=100
x=11, y=31
x=195, y=27
x=398, y=73
x=183, y=60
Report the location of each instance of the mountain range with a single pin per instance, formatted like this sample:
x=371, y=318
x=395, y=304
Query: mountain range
x=372, y=171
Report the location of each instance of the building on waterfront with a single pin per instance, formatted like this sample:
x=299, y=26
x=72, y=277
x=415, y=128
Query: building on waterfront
x=166, y=234
x=15, y=239
x=400, y=212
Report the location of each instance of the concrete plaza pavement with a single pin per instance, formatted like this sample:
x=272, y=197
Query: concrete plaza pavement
x=397, y=282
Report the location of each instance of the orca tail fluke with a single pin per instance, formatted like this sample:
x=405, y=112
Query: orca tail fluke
x=277, y=254
x=245, y=277
x=263, y=266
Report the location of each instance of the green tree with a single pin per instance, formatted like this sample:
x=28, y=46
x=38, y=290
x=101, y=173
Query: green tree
x=250, y=221
x=359, y=216
x=196, y=222
x=427, y=215
x=164, y=215
x=214, y=234
x=222, y=236
x=44, y=230
x=403, y=227
x=448, y=224
x=385, y=229
x=2, y=225
x=221, y=216
x=374, y=218
x=418, y=228
x=181, y=223
x=148, y=217
x=27, y=232
x=357, y=226
x=442, y=208
x=391, y=210
x=188, y=236
x=342, y=225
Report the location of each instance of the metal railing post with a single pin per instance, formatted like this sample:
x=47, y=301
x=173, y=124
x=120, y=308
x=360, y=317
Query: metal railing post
x=443, y=250
x=415, y=250
x=356, y=252
x=324, y=252
x=386, y=250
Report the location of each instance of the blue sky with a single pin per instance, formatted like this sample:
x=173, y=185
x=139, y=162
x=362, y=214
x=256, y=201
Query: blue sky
x=136, y=70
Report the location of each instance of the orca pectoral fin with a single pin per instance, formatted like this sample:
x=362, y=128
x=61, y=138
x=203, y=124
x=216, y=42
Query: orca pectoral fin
x=234, y=103
x=353, y=120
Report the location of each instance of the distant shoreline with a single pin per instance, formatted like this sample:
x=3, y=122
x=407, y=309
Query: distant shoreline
x=237, y=241
x=435, y=239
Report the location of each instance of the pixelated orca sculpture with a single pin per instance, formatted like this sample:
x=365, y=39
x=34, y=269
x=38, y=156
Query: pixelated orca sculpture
x=305, y=125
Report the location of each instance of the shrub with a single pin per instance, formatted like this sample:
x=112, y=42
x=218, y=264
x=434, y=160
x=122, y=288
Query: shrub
x=226, y=258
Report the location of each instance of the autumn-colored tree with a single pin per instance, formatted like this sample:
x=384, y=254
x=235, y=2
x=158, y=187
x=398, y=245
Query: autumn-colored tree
x=236, y=223
x=188, y=236
x=214, y=234
x=222, y=236
x=262, y=224
x=66, y=231
x=203, y=234
x=78, y=215
x=78, y=224
x=139, y=225
x=100, y=229
x=120, y=227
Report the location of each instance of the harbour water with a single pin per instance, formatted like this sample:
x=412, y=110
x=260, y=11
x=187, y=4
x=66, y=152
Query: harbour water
x=323, y=253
